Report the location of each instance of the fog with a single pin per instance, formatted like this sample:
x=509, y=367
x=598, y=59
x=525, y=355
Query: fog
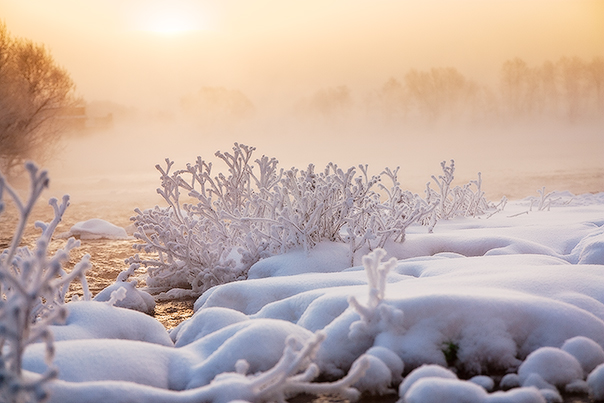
x=515, y=159
x=308, y=82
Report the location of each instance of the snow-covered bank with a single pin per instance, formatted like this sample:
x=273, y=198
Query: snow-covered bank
x=482, y=296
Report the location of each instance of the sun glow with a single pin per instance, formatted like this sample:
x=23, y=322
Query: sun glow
x=169, y=18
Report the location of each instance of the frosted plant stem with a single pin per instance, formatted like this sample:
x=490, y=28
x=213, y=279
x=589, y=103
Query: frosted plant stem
x=38, y=184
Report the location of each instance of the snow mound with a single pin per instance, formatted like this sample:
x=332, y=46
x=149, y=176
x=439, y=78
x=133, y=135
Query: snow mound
x=203, y=323
x=392, y=361
x=97, y=320
x=438, y=390
x=95, y=228
x=130, y=298
x=553, y=365
x=589, y=353
x=324, y=257
x=377, y=378
x=509, y=381
x=485, y=381
x=590, y=250
x=518, y=395
x=425, y=371
x=595, y=382
x=259, y=342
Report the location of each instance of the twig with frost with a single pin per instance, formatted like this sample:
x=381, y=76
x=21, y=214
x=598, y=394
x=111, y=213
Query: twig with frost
x=32, y=292
x=375, y=316
x=457, y=201
x=545, y=200
x=444, y=184
x=499, y=207
x=292, y=375
x=398, y=211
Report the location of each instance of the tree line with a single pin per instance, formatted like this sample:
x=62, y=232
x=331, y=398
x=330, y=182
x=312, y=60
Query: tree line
x=37, y=95
x=570, y=89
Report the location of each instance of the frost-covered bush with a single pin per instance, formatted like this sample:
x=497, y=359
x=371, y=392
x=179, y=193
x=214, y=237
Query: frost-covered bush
x=32, y=292
x=216, y=226
x=458, y=201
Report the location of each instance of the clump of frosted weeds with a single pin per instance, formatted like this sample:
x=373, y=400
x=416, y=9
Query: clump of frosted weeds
x=458, y=201
x=216, y=226
x=32, y=292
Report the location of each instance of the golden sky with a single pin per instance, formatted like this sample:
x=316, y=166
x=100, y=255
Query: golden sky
x=149, y=52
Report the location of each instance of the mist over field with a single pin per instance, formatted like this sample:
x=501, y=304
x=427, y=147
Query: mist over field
x=511, y=89
x=517, y=152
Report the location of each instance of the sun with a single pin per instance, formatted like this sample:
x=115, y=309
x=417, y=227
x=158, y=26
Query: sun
x=169, y=18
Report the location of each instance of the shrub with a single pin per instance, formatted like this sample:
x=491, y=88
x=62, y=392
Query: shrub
x=459, y=201
x=32, y=292
x=217, y=226
x=232, y=220
x=36, y=97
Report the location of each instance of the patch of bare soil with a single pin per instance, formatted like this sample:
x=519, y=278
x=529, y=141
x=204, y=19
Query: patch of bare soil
x=107, y=256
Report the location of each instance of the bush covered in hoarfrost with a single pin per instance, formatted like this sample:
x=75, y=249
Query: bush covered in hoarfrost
x=458, y=201
x=32, y=292
x=217, y=225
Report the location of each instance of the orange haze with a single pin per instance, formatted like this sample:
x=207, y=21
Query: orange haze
x=147, y=55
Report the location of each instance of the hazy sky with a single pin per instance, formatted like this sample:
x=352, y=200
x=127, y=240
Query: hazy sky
x=148, y=54
x=144, y=52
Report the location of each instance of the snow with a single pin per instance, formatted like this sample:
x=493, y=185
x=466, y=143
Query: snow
x=589, y=353
x=553, y=365
x=520, y=292
x=96, y=320
x=127, y=296
x=595, y=381
x=428, y=390
x=486, y=382
x=424, y=371
x=95, y=228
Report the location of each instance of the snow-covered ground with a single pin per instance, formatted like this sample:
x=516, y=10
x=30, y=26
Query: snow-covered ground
x=512, y=303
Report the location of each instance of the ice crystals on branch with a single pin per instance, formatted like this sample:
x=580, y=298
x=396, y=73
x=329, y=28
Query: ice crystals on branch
x=32, y=292
x=291, y=376
x=376, y=316
x=217, y=226
x=457, y=201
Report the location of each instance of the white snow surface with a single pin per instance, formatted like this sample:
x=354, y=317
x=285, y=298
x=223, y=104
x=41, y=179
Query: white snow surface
x=95, y=228
x=520, y=292
x=127, y=296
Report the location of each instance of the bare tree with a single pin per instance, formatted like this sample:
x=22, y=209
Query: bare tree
x=572, y=75
x=517, y=87
x=595, y=73
x=34, y=94
x=393, y=99
x=439, y=92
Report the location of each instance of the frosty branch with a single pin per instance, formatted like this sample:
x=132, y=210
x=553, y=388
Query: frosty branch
x=32, y=291
x=216, y=226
